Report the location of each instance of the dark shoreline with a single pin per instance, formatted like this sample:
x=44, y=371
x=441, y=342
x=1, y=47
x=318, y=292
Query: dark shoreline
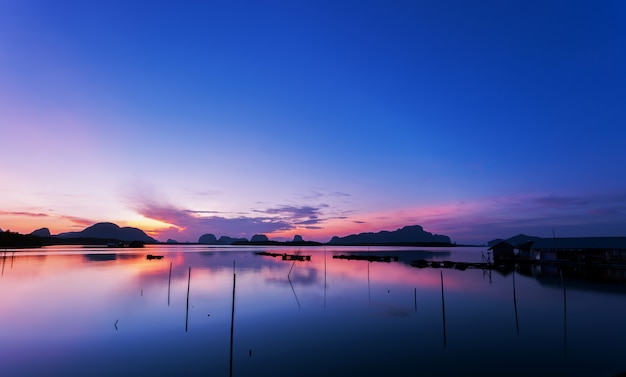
x=19, y=241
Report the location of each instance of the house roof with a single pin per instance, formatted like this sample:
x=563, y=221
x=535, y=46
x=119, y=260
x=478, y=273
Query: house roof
x=581, y=243
x=501, y=243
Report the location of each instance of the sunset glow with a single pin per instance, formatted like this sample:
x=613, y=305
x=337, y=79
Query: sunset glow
x=475, y=121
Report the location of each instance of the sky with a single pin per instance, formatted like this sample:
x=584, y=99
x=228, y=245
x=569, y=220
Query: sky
x=473, y=119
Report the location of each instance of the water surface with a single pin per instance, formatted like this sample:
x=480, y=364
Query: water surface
x=78, y=311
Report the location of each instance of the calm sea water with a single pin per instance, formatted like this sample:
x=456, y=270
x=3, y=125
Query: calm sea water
x=74, y=311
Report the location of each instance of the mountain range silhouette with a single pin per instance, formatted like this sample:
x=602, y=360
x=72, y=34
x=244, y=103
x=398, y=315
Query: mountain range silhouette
x=106, y=231
x=110, y=231
x=413, y=234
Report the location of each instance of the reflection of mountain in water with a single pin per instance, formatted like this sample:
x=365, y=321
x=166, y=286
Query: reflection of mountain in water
x=403, y=256
x=100, y=257
x=103, y=257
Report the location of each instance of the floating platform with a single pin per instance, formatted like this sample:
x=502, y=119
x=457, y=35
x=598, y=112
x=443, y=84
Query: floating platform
x=370, y=258
x=285, y=256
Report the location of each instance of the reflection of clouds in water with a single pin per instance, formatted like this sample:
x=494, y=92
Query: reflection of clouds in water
x=299, y=276
x=304, y=276
x=214, y=261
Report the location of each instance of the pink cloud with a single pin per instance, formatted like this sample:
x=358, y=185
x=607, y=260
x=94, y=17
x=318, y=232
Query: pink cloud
x=475, y=221
x=189, y=225
x=478, y=221
x=79, y=221
x=28, y=214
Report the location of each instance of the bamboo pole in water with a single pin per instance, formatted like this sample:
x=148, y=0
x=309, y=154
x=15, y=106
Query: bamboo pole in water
x=324, y=277
x=232, y=321
x=564, y=313
x=188, y=286
x=294, y=292
x=515, y=305
x=169, y=285
x=293, y=264
x=443, y=311
x=369, y=290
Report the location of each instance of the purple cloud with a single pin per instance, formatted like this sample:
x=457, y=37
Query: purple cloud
x=317, y=195
x=187, y=225
x=299, y=215
x=602, y=214
x=28, y=214
x=292, y=211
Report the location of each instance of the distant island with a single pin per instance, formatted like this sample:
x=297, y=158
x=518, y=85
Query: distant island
x=97, y=234
x=257, y=239
x=409, y=235
x=107, y=233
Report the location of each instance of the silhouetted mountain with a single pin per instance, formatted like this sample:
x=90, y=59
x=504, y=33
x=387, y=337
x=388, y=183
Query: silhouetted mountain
x=208, y=239
x=408, y=235
x=43, y=232
x=12, y=239
x=259, y=238
x=299, y=241
x=110, y=231
x=515, y=240
x=169, y=240
x=224, y=240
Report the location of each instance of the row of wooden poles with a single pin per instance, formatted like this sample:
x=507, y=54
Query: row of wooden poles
x=232, y=315
x=169, y=284
x=443, y=307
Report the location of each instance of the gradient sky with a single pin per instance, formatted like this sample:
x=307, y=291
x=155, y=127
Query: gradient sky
x=474, y=119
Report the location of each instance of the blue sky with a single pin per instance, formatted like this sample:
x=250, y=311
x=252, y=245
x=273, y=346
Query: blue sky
x=473, y=119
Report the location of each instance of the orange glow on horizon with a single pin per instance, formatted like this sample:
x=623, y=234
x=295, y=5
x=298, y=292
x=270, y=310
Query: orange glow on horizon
x=152, y=227
x=26, y=224
x=433, y=218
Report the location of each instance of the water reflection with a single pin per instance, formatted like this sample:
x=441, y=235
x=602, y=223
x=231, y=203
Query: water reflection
x=100, y=257
x=77, y=311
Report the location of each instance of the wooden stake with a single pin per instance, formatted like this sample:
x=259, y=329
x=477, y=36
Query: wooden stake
x=324, y=277
x=169, y=285
x=188, y=285
x=443, y=312
x=232, y=321
x=564, y=313
x=515, y=305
